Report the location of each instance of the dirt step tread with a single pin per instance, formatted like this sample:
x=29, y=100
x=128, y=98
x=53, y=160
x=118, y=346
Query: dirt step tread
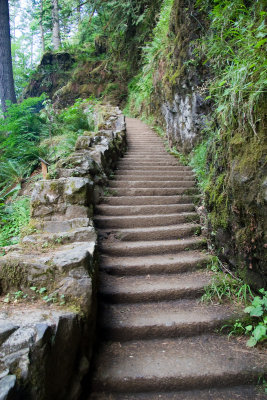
x=155, y=178
x=152, y=233
x=148, y=230
x=147, y=200
x=151, y=184
x=120, y=191
x=136, y=221
x=169, y=364
x=152, y=247
x=153, y=264
x=162, y=319
x=231, y=393
x=107, y=209
x=149, y=287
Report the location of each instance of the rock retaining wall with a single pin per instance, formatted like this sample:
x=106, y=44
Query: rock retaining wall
x=45, y=347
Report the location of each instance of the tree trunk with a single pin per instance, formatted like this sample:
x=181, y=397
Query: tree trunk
x=7, y=89
x=42, y=27
x=79, y=11
x=56, y=30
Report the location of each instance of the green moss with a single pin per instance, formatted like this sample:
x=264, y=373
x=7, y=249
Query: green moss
x=30, y=229
x=55, y=186
x=13, y=275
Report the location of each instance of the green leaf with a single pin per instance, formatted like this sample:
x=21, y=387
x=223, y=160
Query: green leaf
x=259, y=332
x=260, y=43
x=33, y=288
x=251, y=342
x=256, y=312
x=249, y=328
x=256, y=301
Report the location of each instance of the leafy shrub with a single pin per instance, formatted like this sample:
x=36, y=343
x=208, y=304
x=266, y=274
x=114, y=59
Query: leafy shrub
x=26, y=134
x=13, y=217
x=141, y=86
x=20, y=134
x=257, y=311
x=225, y=286
x=74, y=118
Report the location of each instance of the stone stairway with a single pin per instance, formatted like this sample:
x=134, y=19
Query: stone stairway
x=156, y=340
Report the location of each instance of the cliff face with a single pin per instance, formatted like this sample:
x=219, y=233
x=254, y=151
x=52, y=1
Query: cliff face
x=235, y=168
x=65, y=78
x=178, y=98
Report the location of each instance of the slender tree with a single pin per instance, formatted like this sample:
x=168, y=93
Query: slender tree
x=42, y=27
x=56, y=30
x=7, y=89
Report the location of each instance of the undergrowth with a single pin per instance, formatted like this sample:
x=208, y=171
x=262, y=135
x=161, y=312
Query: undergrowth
x=225, y=286
x=13, y=216
x=33, y=130
x=141, y=86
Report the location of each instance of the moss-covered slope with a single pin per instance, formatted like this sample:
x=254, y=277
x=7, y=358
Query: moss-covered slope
x=206, y=88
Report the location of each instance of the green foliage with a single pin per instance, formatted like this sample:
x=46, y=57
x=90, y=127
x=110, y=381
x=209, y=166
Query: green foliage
x=181, y=157
x=141, y=87
x=228, y=287
x=258, y=313
x=234, y=48
x=13, y=217
x=32, y=294
x=255, y=325
x=19, y=135
x=66, y=126
x=74, y=118
x=26, y=135
x=198, y=161
x=224, y=286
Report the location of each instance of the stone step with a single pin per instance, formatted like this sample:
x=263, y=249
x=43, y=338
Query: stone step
x=145, y=146
x=186, y=261
x=150, y=158
x=166, y=319
x=151, y=164
x=154, y=233
x=147, y=173
x=86, y=234
x=145, y=288
x=137, y=221
x=151, y=184
x=144, y=248
x=56, y=226
x=138, y=153
x=148, y=200
x=231, y=393
x=149, y=141
x=135, y=147
x=176, y=364
x=120, y=191
x=106, y=209
x=175, y=178
x=152, y=169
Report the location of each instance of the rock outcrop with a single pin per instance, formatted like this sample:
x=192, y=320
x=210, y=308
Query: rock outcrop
x=235, y=167
x=45, y=344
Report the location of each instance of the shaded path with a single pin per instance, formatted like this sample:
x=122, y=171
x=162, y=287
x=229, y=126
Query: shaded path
x=157, y=339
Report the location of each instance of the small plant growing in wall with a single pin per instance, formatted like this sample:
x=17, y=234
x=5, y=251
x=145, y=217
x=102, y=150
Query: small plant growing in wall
x=258, y=313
